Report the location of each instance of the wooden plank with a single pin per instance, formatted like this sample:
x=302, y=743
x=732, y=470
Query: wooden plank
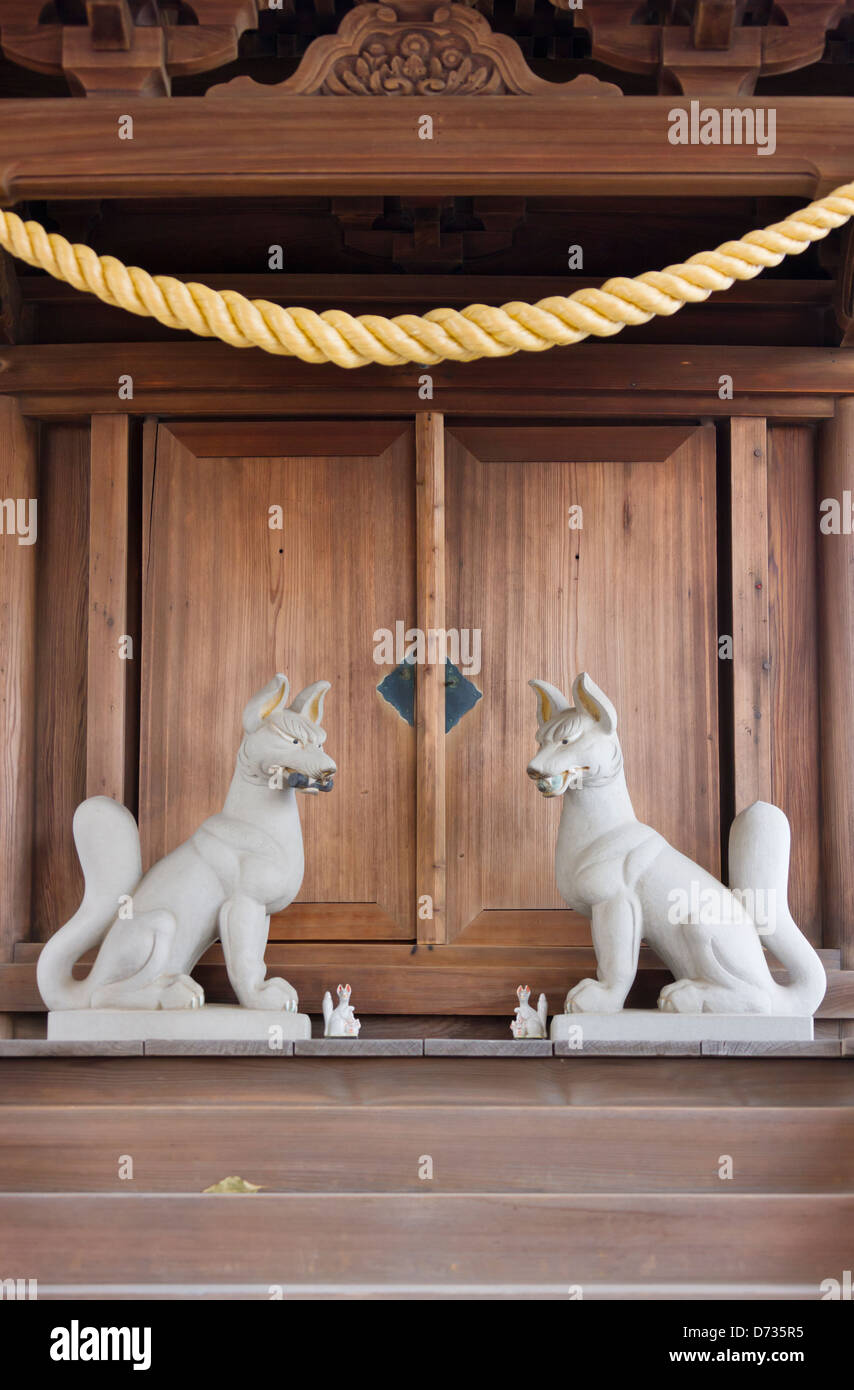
x=836, y=649
x=13, y=326
x=751, y=655
x=18, y=550
x=793, y=539
x=206, y=370
x=273, y=438
x=771, y=312
x=62, y=603
x=295, y=1148
x=325, y=922
x=393, y=400
x=349, y=146
x=273, y=1238
x=107, y=671
x=377, y=1083
x=443, y=981
x=604, y=443
x=818, y=1047
x=337, y=288
x=534, y=927
x=430, y=679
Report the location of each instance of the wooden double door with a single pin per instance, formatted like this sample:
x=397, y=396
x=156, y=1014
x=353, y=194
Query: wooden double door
x=549, y=549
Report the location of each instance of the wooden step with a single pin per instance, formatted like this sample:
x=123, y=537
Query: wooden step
x=459, y=1082
x=441, y=1241
x=355, y=1147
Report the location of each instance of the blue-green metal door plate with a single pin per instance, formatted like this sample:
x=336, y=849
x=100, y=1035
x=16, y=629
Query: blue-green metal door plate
x=461, y=694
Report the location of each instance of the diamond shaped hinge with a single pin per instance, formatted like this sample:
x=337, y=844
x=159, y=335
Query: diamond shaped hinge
x=461, y=694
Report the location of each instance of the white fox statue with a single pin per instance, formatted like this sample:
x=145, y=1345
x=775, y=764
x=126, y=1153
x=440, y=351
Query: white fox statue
x=340, y=1021
x=631, y=883
x=527, y=1023
x=223, y=882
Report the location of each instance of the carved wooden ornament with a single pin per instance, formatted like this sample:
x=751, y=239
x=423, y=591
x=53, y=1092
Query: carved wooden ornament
x=415, y=48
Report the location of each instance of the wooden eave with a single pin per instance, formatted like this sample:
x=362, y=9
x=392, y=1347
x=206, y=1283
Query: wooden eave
x=274, y=145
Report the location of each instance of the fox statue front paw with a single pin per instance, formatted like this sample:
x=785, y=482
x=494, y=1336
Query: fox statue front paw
x=272, y=994
x=592, y=997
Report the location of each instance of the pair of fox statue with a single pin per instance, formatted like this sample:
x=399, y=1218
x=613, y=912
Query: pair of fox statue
x=246, y=862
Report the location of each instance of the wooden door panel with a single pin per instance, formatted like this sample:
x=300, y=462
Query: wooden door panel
x=630, y=597
x=228, y=601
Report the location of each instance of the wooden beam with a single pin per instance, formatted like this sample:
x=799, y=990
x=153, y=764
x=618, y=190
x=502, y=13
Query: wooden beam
x=750, y=628
x=836, y=651
x=772, y=313
x=71, y=380
x=18, y=549
x=391, y=400
x=106, y=687
x=387, y=978
x=197, y=147
x=430, y=677
x=713, y=24
x=10, y=300
x=345, y=289
x=110, y=24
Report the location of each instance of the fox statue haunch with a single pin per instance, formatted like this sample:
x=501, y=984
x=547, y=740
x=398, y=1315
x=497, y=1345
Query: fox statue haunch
x=626, y=878
x=237, y=868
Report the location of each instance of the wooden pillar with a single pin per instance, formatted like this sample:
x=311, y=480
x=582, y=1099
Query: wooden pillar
x=18, y=499
x=836, y=651
x=430, y=679
x=107, y=683
x=751, y=632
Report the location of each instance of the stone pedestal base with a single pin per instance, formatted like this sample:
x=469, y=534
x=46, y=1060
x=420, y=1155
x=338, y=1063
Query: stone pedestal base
x=653, y=1025
x=210, y=1023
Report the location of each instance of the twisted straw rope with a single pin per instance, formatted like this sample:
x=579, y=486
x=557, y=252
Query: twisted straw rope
x=440, y=335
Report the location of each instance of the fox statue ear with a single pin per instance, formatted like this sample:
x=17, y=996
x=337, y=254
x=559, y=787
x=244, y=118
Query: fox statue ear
x=588, y=697
x=309, y=702
x=261, y=706
x=549, y=701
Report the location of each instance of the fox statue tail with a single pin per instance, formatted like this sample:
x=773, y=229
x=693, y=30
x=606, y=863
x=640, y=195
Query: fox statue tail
x=107, y=842
x=759, y=843
x=543, y=1014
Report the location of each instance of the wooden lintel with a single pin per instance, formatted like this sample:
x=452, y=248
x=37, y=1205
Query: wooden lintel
x=515, y=145
x=218, y=379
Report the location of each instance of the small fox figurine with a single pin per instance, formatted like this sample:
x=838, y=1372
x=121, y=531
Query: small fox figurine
x=528, y=1024
x=339, y=1022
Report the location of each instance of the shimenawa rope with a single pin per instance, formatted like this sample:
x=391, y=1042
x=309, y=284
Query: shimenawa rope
x=440, y=335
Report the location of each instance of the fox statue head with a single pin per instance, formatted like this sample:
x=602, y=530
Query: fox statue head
x=578, y=744
x=283, y=743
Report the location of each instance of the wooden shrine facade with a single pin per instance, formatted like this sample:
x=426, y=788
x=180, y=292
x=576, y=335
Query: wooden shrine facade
x=700, y=448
